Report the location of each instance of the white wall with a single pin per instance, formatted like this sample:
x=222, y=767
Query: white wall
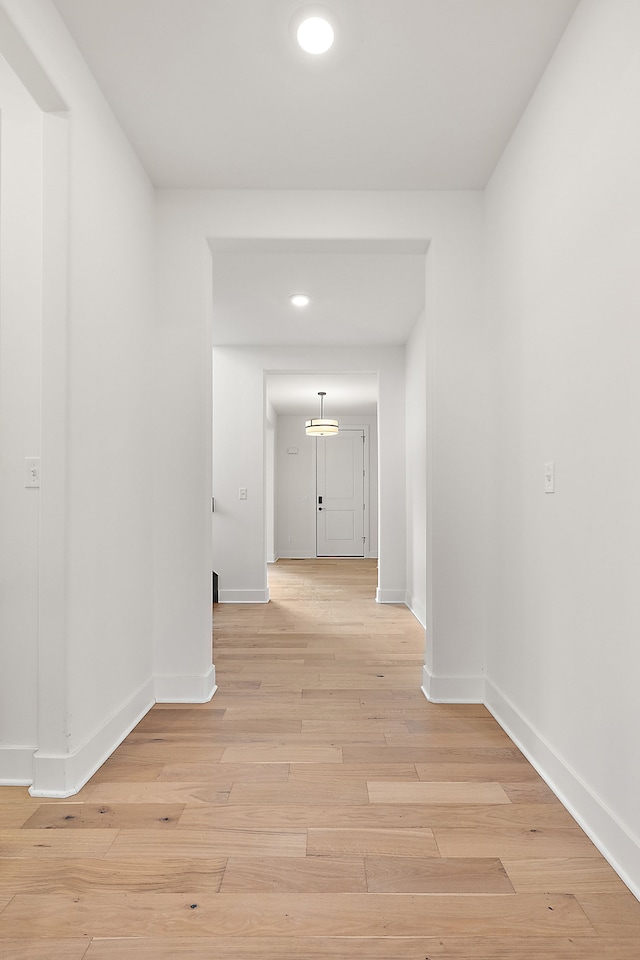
x=239, y=454
x=296, y=485
x=457, y=460
x=295, y=490
x=271, y=421
x=96, y=231
x=239, y=526
x=417, y=480
x=125, y=547
x=563, y=233
x=21, y=143
x=457, y=536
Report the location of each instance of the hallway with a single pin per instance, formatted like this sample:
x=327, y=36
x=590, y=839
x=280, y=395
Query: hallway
x=319, y=807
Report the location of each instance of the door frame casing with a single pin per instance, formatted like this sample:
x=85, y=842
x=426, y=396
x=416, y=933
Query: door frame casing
x=366, y=523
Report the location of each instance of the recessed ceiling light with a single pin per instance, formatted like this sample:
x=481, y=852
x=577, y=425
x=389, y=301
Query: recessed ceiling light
x=315, y=35
x=300, y=300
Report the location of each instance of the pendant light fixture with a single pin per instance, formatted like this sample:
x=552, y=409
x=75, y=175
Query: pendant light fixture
x=319, y=426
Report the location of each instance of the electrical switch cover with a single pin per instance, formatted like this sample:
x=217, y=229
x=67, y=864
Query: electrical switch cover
x=550, y=477
x=242, y=493
x=32, y=472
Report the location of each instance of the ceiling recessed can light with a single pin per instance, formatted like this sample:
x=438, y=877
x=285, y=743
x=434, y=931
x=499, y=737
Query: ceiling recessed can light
x=300, y=300
x=315, y=35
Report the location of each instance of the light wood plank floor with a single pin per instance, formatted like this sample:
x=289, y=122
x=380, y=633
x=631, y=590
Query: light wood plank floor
x=319, y=807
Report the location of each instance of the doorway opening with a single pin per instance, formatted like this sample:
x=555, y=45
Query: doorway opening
x=322, y=493
x=341, y=495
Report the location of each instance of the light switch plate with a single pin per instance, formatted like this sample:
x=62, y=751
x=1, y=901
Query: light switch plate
x=32, y=472
x=550, y=476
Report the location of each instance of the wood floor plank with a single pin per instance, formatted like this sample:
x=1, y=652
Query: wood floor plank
x=318, y=807
x=119, y=767
x=171, y=875
x=160, y=792
x=168, y=751
x=422, y=752
x=349, y=695
x=315, y=708
x=15, y=814
x=221, y=732
x=215, y=773
x=320, y=915
x=338, y=728
x=514, y=844
x=529, y=792
x=14, y=794
x=53, y=950
x=497, y=771
x=612, y=915
x=431, y=752
x=357, y=948
x=448, y=739
x=355, y=842
x=308, y=875
x=347, y=791
x=427, y=792
x=183, y=711
x=281, y=753
x=208, y=843
x=418, y=875
x=55, y=843
x=554, y=875
x=360, y=772
x=426, y=722
x=82, y=816
x=480, y=818
x=301, y=741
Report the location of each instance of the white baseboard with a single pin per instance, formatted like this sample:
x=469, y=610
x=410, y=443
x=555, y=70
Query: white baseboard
x=617, y=845
x=390, y=596
x=186, y=689
x=417, y=609
x=63, y=775
x=452, y=689
x=296, y=555
x=243, y=596
x=16, y=766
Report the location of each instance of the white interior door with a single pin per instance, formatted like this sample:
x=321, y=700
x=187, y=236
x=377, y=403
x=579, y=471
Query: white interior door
x=340, y=495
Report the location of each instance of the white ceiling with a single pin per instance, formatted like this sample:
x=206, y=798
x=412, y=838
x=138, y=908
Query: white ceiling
x=353, y=394
x=415, y=95
x=365, y=291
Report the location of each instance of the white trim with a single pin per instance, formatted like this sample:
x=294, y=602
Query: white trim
x=243, y=596
x=300, y=556
x=17, y=52
x=16, y=764
x=452, y=689
x=63, y=775
x=390, y=596
x=186, y=689
x=417, y=609
x=364, y=429
x=617, y=845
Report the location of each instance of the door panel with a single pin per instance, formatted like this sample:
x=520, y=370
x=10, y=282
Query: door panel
x=340, y=492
